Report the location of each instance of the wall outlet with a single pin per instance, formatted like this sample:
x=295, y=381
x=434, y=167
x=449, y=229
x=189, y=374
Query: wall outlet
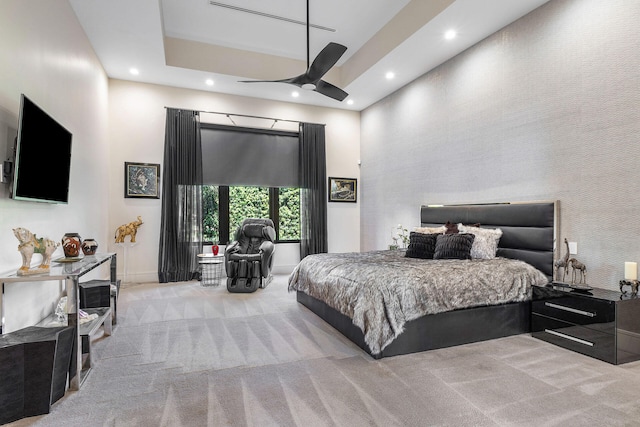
x=573, y=248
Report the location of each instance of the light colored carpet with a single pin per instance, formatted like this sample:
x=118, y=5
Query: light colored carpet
x=187, y=355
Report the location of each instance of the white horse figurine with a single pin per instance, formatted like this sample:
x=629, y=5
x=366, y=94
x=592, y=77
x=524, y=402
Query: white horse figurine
x=30, y=244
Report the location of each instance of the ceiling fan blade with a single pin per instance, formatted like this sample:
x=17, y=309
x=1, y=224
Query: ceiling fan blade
x=327, y=89
x=326, y=59
x=290, y=80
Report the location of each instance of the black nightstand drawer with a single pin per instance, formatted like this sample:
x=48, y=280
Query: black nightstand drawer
x=601, y=323
x=589, y=341
x=576, y=310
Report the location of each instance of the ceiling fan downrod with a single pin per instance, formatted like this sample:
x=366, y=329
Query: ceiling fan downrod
x=311, y=79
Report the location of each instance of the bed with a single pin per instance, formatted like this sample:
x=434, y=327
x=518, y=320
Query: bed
x=528, y=237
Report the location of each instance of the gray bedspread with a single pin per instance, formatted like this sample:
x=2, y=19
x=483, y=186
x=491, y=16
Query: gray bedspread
x=382, y=290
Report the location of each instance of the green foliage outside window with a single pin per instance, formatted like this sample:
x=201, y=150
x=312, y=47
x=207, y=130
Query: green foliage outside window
x=246, y=202
x=289, y=214
x=250, y=202
x=210, y=213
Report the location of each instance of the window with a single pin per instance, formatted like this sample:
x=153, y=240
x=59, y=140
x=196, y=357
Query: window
x=210, y=213
x=225, y=207
x=288, y=214
x=265, y=163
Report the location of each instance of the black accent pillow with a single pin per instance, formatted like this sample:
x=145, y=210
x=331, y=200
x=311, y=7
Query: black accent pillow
x=421, y=245
x=454, y=246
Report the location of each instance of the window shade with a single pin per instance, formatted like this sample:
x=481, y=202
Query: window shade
x=245, y=156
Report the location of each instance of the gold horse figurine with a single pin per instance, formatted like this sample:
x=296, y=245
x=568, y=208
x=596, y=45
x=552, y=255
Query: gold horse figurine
x=30, y=244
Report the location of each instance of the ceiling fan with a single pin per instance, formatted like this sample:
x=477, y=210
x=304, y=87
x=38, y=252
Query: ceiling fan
x=312, y=78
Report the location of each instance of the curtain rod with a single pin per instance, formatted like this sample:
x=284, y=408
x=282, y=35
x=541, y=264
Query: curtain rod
x=245, y=115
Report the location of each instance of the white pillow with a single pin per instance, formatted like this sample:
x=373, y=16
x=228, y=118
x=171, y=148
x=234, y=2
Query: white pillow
x=431, y=230
x=485, y=245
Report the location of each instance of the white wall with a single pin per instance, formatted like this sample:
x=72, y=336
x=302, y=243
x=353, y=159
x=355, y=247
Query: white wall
x=45, y=54
x=545, y=109
x=136, y=134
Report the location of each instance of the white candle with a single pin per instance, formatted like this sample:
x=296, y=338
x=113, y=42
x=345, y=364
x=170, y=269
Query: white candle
x=630, y=271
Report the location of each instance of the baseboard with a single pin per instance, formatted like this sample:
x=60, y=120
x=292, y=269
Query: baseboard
x=282, y=269
x=145, y=277
x=631, y=334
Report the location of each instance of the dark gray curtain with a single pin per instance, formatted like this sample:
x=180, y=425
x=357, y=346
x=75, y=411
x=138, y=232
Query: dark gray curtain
x=313, y=190
x=181, y=224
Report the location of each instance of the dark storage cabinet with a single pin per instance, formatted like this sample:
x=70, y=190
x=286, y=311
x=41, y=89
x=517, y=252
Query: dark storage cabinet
x=98, y=293
x=600, y=323
x=34, y=363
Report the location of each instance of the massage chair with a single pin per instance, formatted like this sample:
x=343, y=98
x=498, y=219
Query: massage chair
x=249, y=258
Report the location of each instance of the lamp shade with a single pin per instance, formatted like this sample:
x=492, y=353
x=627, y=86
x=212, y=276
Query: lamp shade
x=631, y=271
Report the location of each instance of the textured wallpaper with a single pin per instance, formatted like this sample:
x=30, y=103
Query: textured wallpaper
x=548, y=108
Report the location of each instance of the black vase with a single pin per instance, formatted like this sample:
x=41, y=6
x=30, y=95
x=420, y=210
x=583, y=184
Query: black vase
x=89, y=246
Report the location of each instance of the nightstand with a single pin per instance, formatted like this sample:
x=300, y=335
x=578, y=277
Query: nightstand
x=599, y=323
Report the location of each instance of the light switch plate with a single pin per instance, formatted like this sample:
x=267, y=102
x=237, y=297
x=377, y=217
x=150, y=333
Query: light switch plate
x=573, y=248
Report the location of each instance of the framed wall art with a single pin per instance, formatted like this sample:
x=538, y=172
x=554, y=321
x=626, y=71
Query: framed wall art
x=141, y=180
x=343, y=190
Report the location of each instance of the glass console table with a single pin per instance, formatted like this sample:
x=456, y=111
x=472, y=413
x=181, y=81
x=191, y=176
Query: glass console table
x=70, y=273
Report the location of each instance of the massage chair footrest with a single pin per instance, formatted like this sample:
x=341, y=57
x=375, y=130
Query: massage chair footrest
x=242, y=284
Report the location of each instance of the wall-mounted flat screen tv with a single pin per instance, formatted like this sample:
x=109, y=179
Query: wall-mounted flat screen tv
x=43, y=157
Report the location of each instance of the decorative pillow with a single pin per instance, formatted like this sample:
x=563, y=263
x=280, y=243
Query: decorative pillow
x=485, y=245
x=430, y=230
x=452, y=228
x=454, y=246
x=421, y=245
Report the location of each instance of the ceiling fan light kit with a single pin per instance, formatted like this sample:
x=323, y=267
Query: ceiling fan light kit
x=312, y=78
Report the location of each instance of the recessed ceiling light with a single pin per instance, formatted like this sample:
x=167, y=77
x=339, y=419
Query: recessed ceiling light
x=134, y=71
x=389, y=75
x=295, y=94
x=350, y=101
x=209, y=82
x=450, y=34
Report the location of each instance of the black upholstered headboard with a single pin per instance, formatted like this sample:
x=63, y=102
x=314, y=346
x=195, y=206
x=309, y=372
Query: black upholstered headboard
x=528, y=229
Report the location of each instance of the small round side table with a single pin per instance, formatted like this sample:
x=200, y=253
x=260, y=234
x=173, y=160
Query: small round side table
x=212, y=269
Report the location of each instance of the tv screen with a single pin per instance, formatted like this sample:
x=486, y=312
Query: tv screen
x=43, y=157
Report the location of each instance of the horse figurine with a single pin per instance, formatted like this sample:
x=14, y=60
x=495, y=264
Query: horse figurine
x=578, y=266
x=30, y=244
x=631, y=283
x=128, y=229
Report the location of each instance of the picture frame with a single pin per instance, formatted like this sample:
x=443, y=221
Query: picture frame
x=141, y=180
x=344, y=190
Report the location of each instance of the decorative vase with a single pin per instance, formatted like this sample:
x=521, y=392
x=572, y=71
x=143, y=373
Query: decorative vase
x=89, y=246
x=215, y=249
x=71, y=243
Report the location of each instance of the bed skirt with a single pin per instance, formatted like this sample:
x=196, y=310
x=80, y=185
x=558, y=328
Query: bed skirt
x=435, y=330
